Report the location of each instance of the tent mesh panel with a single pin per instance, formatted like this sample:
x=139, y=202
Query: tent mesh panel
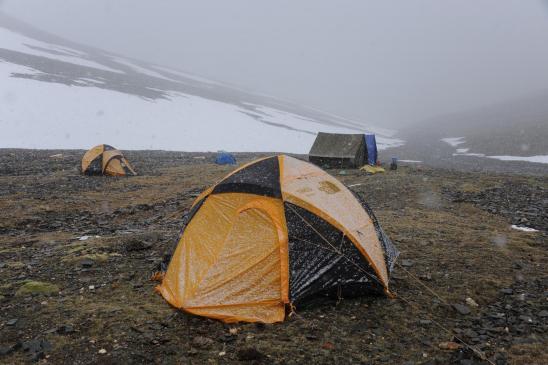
x=261, y=178
x=322, y=261
x=391, y=253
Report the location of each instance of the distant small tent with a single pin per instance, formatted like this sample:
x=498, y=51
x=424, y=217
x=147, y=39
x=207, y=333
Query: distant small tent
x=225, y=158
x=106, y=160
x=334, y=150
x=371, y=146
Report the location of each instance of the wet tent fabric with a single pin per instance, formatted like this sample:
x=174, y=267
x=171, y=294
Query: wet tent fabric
x=335, y=150
x=225, y=158
x=371, y=146
x=106, y=160
x=274, y=232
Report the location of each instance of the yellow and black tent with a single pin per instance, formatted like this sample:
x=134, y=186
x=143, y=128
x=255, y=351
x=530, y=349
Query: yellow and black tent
x=271, y=234
x=106, y=160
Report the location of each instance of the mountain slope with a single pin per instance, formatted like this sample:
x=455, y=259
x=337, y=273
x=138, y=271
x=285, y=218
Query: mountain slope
x=58, y=94
x=517, y=127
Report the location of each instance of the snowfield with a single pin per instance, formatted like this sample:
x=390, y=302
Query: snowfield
x=56, y=94
x=48, y=115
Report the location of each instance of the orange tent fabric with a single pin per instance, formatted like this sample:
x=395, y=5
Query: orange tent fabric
x=271, y=233
x=106, y=160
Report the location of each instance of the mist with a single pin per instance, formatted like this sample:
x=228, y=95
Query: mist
x=389, y=63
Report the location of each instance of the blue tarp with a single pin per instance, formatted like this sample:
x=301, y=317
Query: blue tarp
x=371, y=145
x=225, y=158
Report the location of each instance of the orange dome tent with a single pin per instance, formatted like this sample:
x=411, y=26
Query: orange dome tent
x=274, y=232
x=106, y=160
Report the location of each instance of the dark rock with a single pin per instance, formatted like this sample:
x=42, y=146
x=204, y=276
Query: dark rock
x=461, y=308
x=36, y=348
x=406, y=263
x=65, y=329
x=202, y=342
x=136, y=329
x=137, y=245
x=87, y=263
x=249, y=354
x=426, y=342
x=543, y=313
x=526, y=319
x=227, y=338
x=6, y=350
x=507, y=291
x=470, y=333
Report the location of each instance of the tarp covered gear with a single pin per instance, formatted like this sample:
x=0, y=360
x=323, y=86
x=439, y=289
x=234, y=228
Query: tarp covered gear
x=269, y=235
x=332, y=150
x=394, y=163
x=372, y=169
x=371, y=146
x=225, y=158
x=106, y=160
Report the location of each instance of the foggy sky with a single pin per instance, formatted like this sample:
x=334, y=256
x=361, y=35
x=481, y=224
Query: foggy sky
x=384, y=62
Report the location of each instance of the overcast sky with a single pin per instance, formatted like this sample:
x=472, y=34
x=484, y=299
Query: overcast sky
x=383, y=62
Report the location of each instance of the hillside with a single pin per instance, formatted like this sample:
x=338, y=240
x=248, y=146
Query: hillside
x=517, y=127
x=59, y=94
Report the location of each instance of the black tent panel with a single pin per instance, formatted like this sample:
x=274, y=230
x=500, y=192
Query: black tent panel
x=95, y=167
x=391, y=253
x=322, y=260
x=261, y=178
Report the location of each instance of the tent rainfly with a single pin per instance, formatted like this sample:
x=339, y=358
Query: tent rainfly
x=225, y=158
x=106, y=160
x=332, y=150
x=270, y=235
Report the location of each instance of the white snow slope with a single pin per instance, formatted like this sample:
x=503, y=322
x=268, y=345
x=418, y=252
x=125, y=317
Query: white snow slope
x=456, y=141
x=56, y=94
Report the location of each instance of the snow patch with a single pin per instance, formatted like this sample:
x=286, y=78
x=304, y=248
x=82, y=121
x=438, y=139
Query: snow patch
x=523, y=229
x=186, y=75
x=537, y=159
x=454, y=141
x=410, y=161
x=469, y=154
x=139, y=69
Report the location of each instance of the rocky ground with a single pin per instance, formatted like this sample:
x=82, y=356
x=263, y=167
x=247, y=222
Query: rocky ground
x=77, y=253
